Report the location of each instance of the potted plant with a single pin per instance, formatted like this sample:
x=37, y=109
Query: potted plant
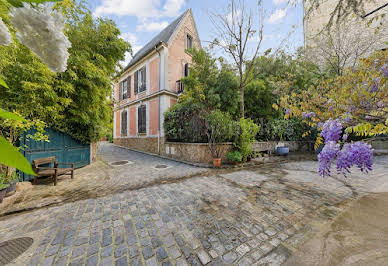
x=235, y=157
x=219, y=128
x=282, y=149
x=279, y=128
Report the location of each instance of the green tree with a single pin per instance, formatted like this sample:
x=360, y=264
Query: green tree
x=94, y=59
x=259, y=100
x=214, y=87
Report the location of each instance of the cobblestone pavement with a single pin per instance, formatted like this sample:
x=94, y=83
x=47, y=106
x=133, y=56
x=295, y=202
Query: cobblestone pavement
x=101, y=178
x=256, y=216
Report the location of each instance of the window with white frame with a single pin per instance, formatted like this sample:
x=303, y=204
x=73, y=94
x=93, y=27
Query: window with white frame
x=142, y=119
x=125, y=88
x=124, y=123
x=140, y=80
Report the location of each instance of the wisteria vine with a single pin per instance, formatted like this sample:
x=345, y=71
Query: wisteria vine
x=358, y=153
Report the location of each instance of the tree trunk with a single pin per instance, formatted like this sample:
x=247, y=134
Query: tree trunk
x=241, y=101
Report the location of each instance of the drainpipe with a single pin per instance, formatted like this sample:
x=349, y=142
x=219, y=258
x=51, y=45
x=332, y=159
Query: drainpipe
x=156, y=49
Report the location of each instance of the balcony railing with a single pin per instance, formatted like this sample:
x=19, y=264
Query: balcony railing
x=179, y=86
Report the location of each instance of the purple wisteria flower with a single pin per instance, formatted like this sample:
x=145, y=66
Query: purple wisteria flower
x=375, y=85
x=288, y=111
x=308, y=115
x=344, y=137
x=380, y=104
x=359, y=154
x=384, y=69
x=326, y=157
x=331, y=130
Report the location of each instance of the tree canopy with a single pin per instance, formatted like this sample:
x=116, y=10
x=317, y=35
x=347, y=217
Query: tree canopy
x=76, y=101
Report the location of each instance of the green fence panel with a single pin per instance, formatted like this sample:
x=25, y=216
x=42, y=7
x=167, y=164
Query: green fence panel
x=62, y=146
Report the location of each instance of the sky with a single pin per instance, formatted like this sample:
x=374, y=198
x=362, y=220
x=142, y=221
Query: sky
x=140, y=20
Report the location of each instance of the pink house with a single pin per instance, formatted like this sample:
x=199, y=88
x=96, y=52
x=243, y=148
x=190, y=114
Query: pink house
x=150, y=84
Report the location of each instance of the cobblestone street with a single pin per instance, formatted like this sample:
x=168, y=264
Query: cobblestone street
x=101, y=178
x=245, y=217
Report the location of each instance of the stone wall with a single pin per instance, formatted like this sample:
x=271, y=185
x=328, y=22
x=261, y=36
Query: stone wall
x=193, y=152
x=141, y=144
x=353, y=38
x=199, y=152
x=293, y=145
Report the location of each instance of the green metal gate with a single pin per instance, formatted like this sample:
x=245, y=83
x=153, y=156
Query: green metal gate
x=62, y=146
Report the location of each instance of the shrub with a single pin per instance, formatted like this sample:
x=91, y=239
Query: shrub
x=109, y=137
x=185, y=122
x=220, y=127
x=290, y=130
x=248, y=131
x=234, y=156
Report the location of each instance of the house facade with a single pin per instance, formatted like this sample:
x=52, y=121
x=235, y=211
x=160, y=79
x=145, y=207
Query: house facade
x=150, y=84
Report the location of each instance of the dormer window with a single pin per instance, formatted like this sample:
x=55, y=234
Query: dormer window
x=189, y=41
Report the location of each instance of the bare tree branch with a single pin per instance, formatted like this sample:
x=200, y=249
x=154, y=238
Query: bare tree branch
x=235, y=29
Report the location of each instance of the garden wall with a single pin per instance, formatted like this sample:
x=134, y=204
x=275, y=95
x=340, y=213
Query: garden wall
x=193, y=152
x=141, y=144
x=262, y=146
x=199, y=152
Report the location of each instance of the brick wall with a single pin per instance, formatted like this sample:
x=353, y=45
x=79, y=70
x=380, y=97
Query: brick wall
x=154, y=75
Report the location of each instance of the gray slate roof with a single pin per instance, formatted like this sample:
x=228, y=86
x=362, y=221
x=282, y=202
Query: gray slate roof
x=163, y=36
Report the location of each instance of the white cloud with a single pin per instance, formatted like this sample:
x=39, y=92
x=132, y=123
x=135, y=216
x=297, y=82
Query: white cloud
x=291, y=2
x=277, y=16
x=152, y=26
x=235, y=16
x=134, y=41
x=271, y=37
x=172, y=7
x=279, y=2
x=140, y=9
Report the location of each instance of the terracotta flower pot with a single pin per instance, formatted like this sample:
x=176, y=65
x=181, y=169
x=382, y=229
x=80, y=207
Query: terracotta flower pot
x=216, y=162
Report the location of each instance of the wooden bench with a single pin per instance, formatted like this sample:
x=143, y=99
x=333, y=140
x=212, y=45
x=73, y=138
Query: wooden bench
x=52, y=172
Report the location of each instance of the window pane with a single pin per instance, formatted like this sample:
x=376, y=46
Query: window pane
x=142, y=119
x=189, y=42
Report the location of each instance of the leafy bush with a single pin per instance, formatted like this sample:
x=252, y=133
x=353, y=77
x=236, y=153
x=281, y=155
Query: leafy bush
x=258, y=100
x=290, y=130
x=248, y=131
x=234, y=156
x=8, y=178
x=109, y=137
x=185, y=122
x=219, y=128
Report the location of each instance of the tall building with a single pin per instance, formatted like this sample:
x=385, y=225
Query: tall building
x=343, y=43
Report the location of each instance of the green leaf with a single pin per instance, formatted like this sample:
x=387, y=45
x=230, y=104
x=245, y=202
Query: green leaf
x=19, y=3
x=9, y=115
x=10, y=156
x=2, y=83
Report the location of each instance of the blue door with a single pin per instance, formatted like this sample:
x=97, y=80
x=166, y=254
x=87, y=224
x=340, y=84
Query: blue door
x=62, y=146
